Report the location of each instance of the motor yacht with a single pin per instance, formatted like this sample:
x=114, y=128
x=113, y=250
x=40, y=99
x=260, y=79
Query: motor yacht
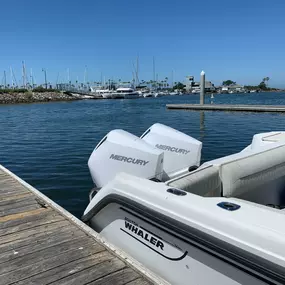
x=125, y=93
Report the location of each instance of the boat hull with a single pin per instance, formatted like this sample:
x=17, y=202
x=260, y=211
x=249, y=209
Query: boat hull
x=169, y=251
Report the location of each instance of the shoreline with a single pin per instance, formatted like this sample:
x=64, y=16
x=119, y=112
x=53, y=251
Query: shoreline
x=35, y=97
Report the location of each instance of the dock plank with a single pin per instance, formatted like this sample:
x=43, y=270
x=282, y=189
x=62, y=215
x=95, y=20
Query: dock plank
x=29, y=233
x=120, y=277
x=65, y=270
x=93, y=273
x=40, y=243
x=39, y=238
x=46, y=264
x=31, y=222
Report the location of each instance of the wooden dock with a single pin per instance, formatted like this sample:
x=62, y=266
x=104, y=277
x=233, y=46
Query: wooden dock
x=41, y=243
x=232, y=108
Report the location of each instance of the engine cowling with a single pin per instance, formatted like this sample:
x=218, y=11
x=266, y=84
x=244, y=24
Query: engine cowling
x=180, y=150
x=120, y=151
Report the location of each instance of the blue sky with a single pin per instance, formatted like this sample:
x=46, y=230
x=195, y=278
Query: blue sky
x=240, y=40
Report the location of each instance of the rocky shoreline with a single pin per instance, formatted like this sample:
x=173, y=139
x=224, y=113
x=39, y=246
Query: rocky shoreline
x=33, y=97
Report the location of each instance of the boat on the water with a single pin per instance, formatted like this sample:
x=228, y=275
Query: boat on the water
x=223, y=220
x=125, y=93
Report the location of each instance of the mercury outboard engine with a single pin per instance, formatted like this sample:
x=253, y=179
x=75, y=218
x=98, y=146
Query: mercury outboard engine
x=120, y=151
x=181, y=152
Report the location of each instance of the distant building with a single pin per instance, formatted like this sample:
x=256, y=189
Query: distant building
x=234, y=88
x=194, y=86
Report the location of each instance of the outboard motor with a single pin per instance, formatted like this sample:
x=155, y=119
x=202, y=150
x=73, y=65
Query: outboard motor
x=181, y=152
x=120, y=151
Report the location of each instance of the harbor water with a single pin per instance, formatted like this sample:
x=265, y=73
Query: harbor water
x=49, y=144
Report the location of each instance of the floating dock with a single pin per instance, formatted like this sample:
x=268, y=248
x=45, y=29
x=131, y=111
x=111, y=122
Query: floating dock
x=41, y=243
x=232, y=108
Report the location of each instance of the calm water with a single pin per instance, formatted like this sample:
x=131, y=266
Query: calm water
x=48, y=145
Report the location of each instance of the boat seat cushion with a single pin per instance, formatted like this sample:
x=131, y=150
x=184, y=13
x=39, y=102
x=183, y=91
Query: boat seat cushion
x=203, y=181
x=249, y=170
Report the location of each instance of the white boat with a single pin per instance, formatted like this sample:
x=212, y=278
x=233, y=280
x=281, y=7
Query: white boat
x=225, y=90
x=196, y=91
x=219, y=223
x=105, y=93
x=149, y=94
x=125, y=93
x=173, y=93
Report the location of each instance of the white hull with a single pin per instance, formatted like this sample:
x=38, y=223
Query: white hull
x=148, y=95
x=223, y=221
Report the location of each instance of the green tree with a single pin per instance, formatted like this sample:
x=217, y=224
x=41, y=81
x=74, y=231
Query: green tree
x=262, y=85
x=179, y=86
x=228, y=82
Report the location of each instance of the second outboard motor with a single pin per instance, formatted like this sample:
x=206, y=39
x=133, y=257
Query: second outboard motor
x=181, y=151
x=120, y=151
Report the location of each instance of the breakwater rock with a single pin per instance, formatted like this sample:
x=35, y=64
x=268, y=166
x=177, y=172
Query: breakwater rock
x=32, y=97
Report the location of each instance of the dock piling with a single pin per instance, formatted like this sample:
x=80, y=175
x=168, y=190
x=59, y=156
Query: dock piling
x=202, y=88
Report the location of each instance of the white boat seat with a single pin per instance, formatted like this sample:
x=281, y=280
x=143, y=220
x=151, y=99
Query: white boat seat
x=203, y=182
x=235, y=175
x=246, y=171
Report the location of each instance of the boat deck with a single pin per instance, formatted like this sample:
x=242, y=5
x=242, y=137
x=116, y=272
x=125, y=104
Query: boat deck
x=224, y=107
x=41, y=243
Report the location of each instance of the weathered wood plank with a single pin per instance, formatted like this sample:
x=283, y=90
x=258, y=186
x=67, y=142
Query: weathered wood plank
x=14, y=200
x=40, y=238
x=18, y=219
x=8, y=195
x=21, y=215
x=39, y=245
x=44, y=229
x=49, y=263
x=15, y=196
x=48, y=252
x=32, y=222
x=67, y=269
x=22, y=209
x=139, y=281
x=16, y=205
x=120, y=277
x=92, y=273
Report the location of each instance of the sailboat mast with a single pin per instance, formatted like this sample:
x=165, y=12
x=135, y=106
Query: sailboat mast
x=5, y=79
x=11, y=75
x=137, y=71
x=32, y=77
x=153, y=68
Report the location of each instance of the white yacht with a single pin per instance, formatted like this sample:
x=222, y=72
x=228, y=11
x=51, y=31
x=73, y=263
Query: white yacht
x=106, y=93
x=196, y=91
x=125, y=93
x=222, y=222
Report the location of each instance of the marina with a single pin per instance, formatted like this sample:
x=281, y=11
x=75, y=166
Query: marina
x=41, y=243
